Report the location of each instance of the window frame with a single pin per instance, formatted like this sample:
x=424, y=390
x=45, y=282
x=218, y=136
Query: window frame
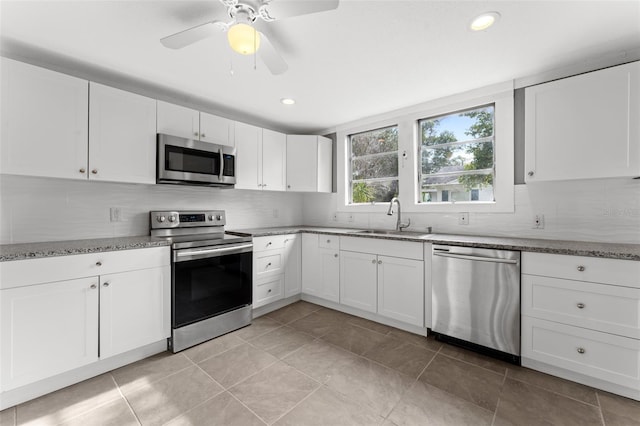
x=500, y=95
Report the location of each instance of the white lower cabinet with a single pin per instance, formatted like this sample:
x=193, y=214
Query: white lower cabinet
x=48, y=328
x=387, y=285
x=276, y=268
x=321, y=266
x=581, y=320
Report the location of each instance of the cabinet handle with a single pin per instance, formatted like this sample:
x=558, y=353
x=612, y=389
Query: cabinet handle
x=328, y=241
x=335, y=255
x=379, y=262
x=269, y=291
x=580, y=305
x=581, y=350
x=530, y=173
x=264, y=184
x=581, y=268
x=288, y=186
x=202, y=135
x=98, y=263
x=94, y=171
x=195, y=133
x=373, y=261
x=269, y=243
x=105, y=285
x=93, y=286
x=268, y=264
x=82, y=170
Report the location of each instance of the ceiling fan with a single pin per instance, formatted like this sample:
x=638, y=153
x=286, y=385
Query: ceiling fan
x=243, y=28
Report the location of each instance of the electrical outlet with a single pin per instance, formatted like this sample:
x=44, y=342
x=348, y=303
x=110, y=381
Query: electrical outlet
x=115, y=214
x=350, y=218
x=538, y=221
x=276, y=213
x=334, y=217
x=463, y=219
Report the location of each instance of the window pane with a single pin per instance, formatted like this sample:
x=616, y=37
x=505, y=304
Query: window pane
x=471, y=156
x=374, y=192
x=459, y=158
x=375, y=167
x=374, y=142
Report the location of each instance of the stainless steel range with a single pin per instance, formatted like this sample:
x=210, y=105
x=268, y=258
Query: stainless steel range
x=211, y=275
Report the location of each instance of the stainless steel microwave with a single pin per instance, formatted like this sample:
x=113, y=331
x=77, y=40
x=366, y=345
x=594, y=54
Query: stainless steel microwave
x=188, y=162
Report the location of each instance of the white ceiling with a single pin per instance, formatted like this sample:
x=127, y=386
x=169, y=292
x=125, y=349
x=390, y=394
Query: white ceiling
x=362, y=59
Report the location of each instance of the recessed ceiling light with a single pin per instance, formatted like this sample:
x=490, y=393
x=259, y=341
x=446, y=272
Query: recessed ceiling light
x=484, y=21
x=287, y=101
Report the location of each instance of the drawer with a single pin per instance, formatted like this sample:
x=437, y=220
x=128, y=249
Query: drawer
x=272, y=242
x=604, y=356
x=20, y=273
x=268, y=263
x=393, y=248
x=267, y=291
x=581, y=268
x=607, y=308
x=329, y=241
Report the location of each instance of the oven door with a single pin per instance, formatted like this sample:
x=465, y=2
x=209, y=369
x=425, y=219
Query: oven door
x=210, y=281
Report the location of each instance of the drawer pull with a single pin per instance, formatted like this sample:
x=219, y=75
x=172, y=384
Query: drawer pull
x=328, y=241
x=93, y=286
x=335, y=255
x=269, y=243
x=269, y=291
x=105, y=285
x=268, y=264
x=581, y=350
x=580, y=305
x=98, y=263
x=373, y=261
x=581, y=268
x=379, y=262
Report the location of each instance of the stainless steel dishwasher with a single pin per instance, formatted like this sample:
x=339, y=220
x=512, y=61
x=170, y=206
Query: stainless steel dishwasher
x=476, y=299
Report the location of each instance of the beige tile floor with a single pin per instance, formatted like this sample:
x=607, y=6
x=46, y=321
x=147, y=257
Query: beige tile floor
x=308, y=365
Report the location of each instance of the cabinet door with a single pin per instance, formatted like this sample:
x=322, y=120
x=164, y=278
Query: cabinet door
x=358, y=278
x=325, y=164
x=249, y=156
x=177, y=120
x=47, y=329
x=122, y=136
x=302, y=163
x=135, y=309
x=274, y=160
x=584, y=127
x=44, y=122
x=401, y=289
x=330, y=274
x=216, y=129
x=293, y=266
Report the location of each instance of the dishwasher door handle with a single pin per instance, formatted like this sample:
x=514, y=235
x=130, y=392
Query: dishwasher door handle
x=479, y=258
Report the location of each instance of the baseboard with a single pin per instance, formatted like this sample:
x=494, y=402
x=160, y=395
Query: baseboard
x=274, y=306
x=28, y=392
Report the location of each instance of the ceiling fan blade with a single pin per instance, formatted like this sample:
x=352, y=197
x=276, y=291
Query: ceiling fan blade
x=271, y=57
x=190, y=36
x=281, y=9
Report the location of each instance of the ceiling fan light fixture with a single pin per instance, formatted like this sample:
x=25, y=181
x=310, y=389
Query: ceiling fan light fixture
x=244, y=39
x=484, y=21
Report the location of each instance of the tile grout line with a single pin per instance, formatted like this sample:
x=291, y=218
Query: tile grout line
x=299, y=402
x=601, y=411
x=247, y=407
x=126, y=401
x=557, y=393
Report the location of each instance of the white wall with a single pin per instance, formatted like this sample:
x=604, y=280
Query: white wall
x=40, y=209
x=593, y=210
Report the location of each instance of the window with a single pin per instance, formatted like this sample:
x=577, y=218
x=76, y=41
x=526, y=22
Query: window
x=373, y=166
x=456, y=157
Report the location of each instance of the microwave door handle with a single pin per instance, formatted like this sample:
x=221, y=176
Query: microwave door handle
x=221, y=164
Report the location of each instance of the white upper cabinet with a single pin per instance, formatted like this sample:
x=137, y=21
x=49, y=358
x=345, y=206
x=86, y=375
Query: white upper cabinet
x=216, y=129
x=584, y=127
x=44, y=122
x=309, y=160
x=179, y=121
x=248, y=156
x=189, y=123
x=261, y=158
x=122, y=135
x=274, y=160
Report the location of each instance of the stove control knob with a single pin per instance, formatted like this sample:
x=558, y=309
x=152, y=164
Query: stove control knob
x=210, y=217
x=172, y=218
x=219, y=217
x=160, y=219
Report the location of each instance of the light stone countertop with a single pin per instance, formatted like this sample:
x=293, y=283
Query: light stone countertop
x=63, y=248
x=10, y=252
x=574, y=248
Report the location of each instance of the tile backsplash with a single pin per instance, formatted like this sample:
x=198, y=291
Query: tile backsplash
x=606, y=210
x=40, y=209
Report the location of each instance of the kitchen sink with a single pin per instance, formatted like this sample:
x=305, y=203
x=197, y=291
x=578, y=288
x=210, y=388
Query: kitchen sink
x=390, y=232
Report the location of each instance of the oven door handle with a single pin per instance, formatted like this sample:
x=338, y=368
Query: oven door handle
x=221, y=164
x=183, y=256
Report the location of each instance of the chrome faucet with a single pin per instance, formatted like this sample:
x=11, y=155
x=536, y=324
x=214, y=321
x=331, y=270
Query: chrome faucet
x=399, y=225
